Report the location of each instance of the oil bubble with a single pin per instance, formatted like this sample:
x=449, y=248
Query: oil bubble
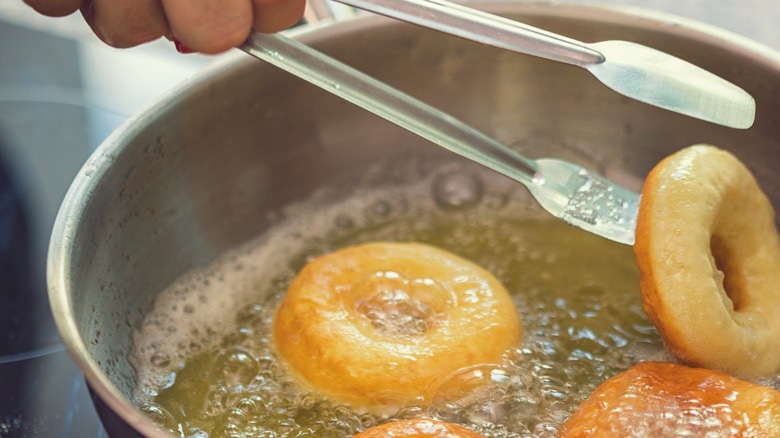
x=380, y=208
x=344, y=222
x=457, y=190
x=252, y=405
x=399, y=306
x=600, y=307
x=488, y=394
x=159, y=360
x=236, y=367
x=236, y=416
x=161, y=417
x=228, y=430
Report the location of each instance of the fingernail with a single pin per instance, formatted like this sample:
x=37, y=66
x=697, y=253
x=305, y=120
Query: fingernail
x=181, y=48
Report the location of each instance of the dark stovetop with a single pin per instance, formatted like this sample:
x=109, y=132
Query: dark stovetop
x=42, y=392
x=61, y=94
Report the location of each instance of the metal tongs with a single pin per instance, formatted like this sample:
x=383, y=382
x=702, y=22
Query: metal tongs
x=566, y=190
x=634, y=70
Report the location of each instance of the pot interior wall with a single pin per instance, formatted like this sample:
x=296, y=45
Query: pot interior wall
x=205, y=169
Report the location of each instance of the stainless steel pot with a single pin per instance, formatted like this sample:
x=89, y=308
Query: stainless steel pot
x=196, y=173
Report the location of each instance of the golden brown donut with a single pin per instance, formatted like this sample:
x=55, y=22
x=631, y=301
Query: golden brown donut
x=709, y=259
x=657, y=399
x=373, y=325
x=418, y=428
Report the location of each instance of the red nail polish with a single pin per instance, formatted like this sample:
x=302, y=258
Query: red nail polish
x=181, y=48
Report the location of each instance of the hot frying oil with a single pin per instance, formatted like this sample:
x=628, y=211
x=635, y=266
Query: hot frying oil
x=206, y=360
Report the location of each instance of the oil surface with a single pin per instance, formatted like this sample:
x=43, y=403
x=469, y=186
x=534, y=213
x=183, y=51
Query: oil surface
x=205, y=357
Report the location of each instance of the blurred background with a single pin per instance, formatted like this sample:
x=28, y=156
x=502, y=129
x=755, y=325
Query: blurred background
x=61, y=93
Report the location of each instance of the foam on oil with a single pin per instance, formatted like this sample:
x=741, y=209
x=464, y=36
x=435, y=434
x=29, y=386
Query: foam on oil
x=205, y=356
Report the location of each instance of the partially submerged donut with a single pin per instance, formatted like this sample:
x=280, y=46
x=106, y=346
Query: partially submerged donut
x=658, y=399
x=418, y=428
x=374, y=325
x=709, y=259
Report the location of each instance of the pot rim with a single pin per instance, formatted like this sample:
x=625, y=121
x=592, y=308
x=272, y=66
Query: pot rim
x=88, y=179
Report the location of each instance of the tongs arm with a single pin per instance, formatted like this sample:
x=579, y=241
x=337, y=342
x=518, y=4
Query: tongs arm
x=483, y=27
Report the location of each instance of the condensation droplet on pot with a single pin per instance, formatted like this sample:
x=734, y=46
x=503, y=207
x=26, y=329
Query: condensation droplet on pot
x=457, y=190
x=90, y=169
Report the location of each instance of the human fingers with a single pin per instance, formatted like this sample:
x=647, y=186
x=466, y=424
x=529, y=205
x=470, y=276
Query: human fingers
x=54, y=8
x=209, y=26
x=125, y=23
x=276, y=15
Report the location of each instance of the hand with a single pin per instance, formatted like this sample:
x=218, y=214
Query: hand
x=207, y=26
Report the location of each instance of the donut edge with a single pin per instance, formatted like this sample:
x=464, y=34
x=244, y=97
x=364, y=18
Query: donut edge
x=677, y=337
x=651, y=298
x=588, y=418
x=322, y=381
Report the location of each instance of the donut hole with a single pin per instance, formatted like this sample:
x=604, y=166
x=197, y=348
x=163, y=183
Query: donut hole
x=397, y=306
x=731, y=279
